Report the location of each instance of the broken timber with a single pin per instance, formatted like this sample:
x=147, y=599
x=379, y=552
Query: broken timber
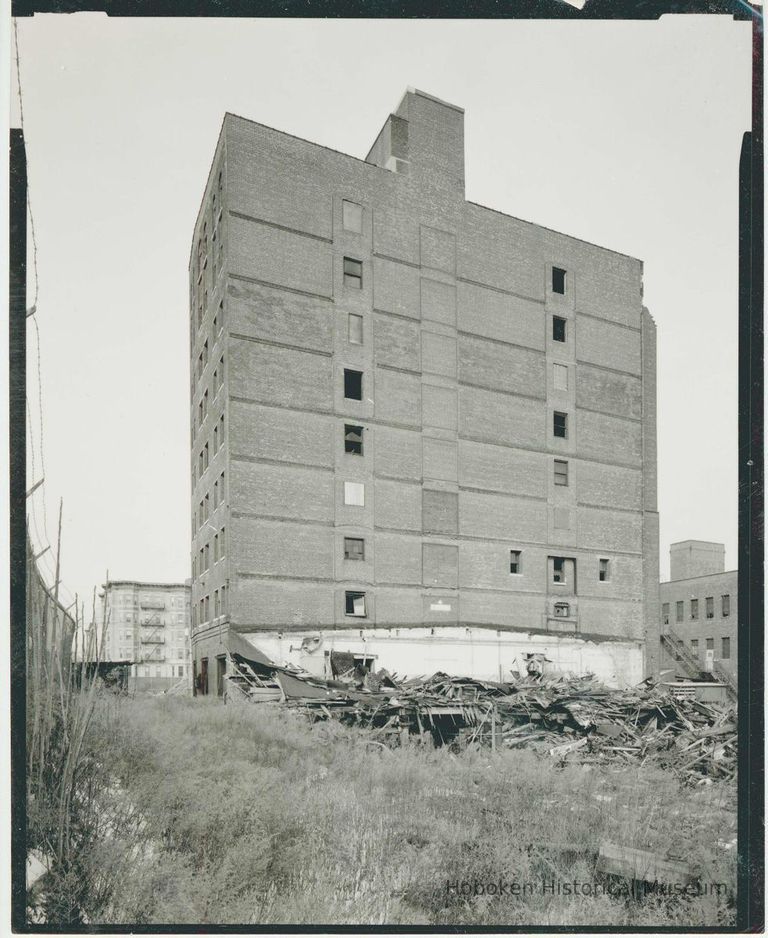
x=566, y=718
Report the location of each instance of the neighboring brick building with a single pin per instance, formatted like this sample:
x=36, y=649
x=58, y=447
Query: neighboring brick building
x=415, y=420
x=699, y=608
x=148, y=624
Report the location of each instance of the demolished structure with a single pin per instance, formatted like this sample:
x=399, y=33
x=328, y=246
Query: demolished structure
x=423, y=432
x=564, y=718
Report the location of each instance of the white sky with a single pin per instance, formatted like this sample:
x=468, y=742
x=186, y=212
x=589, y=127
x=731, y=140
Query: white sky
x=624, y=134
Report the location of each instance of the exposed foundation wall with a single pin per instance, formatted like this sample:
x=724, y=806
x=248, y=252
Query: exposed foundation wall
x=474, y=652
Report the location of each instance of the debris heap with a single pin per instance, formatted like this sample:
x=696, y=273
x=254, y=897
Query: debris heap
x=563, y=717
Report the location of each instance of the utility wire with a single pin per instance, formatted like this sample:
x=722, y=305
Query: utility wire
x=44, y=561
x=29, y=201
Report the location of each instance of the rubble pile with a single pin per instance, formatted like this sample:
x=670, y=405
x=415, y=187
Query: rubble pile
x=565, y=717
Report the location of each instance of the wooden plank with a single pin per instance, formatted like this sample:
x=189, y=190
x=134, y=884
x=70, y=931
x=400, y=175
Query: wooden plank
x=642, y=865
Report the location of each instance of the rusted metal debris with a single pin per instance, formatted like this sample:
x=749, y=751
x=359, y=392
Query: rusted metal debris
x=568, y=718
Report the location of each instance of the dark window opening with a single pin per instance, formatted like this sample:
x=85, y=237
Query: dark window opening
x=354, y=548
x=203, y=676
x=726, y=599
x=694, y=609
x=726, y=648
x=561, y=472
x=558, y=568
x=353, y=273
x=515, y=561
x=665, y=613
x=558, y=280
x=560, y=424
x=604, y=572
x=354, y=604
x=558, y=329
x=710, y=644
x=562, y=610
x=353, y=439
x=710, y=601
x=353, y=384
x=679, y=611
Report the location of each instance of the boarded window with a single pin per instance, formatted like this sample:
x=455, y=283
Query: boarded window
x=710, y=601
x=558, y=280
x=354, y=603
x=515, y=561
x=440, y=565
x=695, y=645
x=354, y=493
x=604, y=571
x=679, y=611
x=665, y=613
x=355, y=329
x=560, y=373
x=726, y=648
x=560, y=424
x=353, y=439
x=710, y=644
x=694, y=609
x=353, y=384
x=561, y=472
x=354, y=548
x=353, y=273
x=726, y=601
x=440, y=512
x=351, y=216
x=558, y=328
x=561, y=518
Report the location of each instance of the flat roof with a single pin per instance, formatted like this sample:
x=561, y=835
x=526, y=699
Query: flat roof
x=694, y=541
x=702, y=576
x=365, y=162
x=146, y=585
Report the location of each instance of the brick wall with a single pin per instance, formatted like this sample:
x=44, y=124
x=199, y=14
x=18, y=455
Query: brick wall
x=456, y=305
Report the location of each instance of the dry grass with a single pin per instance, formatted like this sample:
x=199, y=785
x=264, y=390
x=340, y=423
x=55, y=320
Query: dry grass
x=253, y=816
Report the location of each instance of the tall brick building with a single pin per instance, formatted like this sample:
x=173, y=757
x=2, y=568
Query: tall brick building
x=423, y=431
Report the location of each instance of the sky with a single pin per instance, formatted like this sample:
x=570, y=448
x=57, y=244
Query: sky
x=623, y=134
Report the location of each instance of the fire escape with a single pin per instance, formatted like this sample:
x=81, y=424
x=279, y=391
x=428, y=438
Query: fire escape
x=680, y=652
x=152, y=633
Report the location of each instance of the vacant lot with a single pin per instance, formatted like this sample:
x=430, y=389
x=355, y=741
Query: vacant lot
x=246, y=814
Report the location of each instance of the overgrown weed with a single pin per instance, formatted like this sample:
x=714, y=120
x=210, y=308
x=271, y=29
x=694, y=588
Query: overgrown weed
x=254, y=816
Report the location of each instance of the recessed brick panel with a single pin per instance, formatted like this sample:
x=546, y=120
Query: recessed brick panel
x=438, y=353
x=440, y=459
x=396, y=288
x=438, y=250
x=438, y=302
x=439, y=407
x=396, y=343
